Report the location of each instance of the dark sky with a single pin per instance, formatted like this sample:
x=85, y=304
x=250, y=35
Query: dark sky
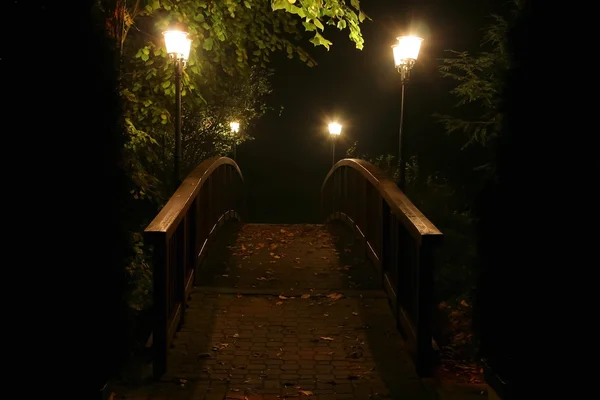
x=291, y=155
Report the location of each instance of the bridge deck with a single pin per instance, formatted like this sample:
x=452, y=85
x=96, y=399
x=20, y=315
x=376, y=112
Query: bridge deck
x=287, y=312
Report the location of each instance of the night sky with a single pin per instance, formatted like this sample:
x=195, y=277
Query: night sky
x=286, y=164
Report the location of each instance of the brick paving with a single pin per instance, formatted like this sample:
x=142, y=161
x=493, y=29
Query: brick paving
x=286, y=312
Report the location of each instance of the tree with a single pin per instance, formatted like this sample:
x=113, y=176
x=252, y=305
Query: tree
x=206, y=130
x=479, y=80
x=230, y=38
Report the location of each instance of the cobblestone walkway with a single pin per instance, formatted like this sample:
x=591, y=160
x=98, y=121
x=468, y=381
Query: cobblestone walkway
x=286, y=312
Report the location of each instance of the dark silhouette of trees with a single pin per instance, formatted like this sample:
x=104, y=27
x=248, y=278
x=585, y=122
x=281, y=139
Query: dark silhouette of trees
x=509, y=201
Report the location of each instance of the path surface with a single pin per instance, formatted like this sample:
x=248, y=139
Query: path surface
x=286, y=312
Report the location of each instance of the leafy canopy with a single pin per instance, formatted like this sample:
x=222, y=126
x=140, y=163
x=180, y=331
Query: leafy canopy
x=229, y=38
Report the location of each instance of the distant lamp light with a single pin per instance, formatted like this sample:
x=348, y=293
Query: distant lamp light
x=235, y=128
x=177, y=43
x=335, y=129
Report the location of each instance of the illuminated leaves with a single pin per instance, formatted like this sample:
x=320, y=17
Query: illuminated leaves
x=315, y=14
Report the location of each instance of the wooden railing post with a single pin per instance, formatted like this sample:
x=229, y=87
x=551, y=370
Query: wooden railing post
x=426, y=306
x=182, y=260
x=160, y=303
x=385, y=255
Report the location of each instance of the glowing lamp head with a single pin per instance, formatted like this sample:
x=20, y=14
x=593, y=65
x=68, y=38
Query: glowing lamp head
x=406, y=51
x=235, y=126
x=177, y=43
x=335, y=129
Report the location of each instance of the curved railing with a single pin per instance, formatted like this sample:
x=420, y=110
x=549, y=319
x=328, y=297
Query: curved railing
x=211, y=194
x=399, y=240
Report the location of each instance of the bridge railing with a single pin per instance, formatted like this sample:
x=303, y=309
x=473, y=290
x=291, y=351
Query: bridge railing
x=211, y=194
x=400, y=241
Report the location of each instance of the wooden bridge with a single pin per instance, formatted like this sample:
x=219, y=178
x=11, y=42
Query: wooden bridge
x=341, y=310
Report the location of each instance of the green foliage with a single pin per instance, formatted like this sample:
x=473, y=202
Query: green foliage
x=479, y=83
x=139, y=273
x=385, y=163
x=443, y=203
x=206, y=130
x=316, y=14
x=230, y=38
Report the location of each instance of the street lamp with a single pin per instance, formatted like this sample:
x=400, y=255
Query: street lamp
x=334, y=131
x=235, y=128
x=406, y=52
x=178, y=47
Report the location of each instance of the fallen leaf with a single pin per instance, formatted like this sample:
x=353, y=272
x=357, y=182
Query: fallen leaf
x=326, y=338
x=282, y=297
x=305, y=296
x=306, y=392
x=335, y=296
x=354, y=313
x=279, y=303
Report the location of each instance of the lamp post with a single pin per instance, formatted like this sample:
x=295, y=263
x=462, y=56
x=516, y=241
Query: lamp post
x=334, y=131
x=178, y=47
x=406, y=52
x=235, y=128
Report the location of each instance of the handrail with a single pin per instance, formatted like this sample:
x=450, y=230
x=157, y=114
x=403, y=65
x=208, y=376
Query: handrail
x=172, y=213
x=399, y=240
x=399, y=204
x=211, y=194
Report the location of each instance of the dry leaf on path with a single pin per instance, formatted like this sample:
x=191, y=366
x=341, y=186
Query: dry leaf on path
x=326, y=338
x=305, y=296
x=305, y=392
